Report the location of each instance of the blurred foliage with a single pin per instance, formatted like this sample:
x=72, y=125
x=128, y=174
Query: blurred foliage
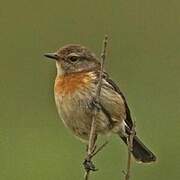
x=143, y=58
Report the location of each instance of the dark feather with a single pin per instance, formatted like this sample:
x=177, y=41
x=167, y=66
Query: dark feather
x=140, y=152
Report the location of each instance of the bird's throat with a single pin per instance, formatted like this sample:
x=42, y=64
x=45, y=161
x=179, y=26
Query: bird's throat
x=69, y=83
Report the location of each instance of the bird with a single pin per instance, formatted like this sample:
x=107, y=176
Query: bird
x=78, y=70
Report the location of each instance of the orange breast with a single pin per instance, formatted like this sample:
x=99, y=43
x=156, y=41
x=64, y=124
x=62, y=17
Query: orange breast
x=68, y=84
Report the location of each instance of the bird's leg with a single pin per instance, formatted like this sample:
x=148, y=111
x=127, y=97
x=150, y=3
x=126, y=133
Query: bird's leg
x=93, y=150
x=99, y=148
x=88, y=164
x=95, y=104
x=99, y=107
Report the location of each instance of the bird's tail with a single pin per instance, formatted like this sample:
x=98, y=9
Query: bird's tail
x=140, y=152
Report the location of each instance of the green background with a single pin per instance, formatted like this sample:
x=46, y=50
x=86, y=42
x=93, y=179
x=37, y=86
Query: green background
x=143, y=58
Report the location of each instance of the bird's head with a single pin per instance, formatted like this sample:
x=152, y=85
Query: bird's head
x=74, y=58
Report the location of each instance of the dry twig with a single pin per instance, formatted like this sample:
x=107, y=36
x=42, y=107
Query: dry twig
x=130, y=148
x=93, y=136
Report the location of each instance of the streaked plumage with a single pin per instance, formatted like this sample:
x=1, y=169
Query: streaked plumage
x=75, y=89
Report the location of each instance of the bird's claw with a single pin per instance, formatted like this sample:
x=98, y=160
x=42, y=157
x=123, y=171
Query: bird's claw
x=89, y=166
x=96, y=105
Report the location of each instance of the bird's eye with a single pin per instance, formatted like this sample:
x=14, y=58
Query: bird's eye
x=73, y=58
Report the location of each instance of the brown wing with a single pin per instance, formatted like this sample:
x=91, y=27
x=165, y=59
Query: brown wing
x=128, y=119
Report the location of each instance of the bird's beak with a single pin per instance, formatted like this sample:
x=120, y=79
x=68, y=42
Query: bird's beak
x=52, y=56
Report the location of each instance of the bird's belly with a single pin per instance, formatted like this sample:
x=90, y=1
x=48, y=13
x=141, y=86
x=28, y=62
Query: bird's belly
x=75, y=110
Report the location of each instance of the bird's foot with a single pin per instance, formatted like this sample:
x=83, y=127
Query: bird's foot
x=88, y=165
x=96, y=104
